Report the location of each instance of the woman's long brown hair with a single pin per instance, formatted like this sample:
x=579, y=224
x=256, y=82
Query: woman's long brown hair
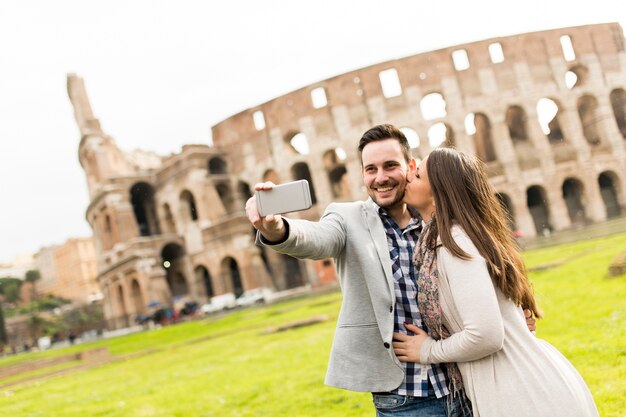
x=463, y=195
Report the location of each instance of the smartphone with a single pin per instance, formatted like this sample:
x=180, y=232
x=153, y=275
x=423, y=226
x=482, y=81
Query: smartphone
x=284, y=198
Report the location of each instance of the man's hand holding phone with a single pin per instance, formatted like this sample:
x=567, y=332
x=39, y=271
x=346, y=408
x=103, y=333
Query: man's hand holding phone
x=270, y=200
x=272, y=226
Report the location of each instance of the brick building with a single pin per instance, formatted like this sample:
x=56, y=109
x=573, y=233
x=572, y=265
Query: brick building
x=69, y=271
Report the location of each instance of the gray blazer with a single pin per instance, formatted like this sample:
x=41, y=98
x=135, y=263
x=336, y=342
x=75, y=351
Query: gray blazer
x=362, y=358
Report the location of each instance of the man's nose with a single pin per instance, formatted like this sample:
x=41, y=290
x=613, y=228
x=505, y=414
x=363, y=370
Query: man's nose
x=381, y=176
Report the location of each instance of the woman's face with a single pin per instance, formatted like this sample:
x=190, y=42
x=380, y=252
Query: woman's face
x=418, y=193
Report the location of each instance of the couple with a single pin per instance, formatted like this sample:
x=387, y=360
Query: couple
x=433, y=287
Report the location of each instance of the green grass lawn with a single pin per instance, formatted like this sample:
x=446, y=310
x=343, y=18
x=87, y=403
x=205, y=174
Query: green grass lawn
x=227, y=366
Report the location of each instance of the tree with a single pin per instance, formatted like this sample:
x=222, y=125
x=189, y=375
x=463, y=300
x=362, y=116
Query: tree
x=32, y=276
x=4, y=339
x=10, y=287
x=3, y=330
x=36, y=325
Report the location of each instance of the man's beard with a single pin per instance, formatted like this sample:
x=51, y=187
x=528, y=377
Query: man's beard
x=396, y=201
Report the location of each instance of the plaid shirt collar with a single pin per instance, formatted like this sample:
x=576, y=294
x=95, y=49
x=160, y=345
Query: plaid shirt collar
x=416, y=219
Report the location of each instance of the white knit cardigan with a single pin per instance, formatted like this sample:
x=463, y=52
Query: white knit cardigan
x=507, y=371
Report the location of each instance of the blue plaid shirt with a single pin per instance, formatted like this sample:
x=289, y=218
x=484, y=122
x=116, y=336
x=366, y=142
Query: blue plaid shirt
x=401, y=244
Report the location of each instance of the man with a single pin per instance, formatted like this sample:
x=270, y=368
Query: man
x=372, y=243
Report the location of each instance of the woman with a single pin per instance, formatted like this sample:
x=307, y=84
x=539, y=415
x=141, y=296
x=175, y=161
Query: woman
x=472, y=287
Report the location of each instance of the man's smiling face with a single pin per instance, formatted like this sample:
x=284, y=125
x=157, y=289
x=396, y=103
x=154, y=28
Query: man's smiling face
x=384, y=172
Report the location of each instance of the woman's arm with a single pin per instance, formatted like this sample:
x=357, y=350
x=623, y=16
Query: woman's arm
x=475, y=299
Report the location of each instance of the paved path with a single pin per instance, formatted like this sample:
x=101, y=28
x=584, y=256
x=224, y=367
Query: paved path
x=591, y=231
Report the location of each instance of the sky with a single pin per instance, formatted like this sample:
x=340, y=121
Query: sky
x=160, y=73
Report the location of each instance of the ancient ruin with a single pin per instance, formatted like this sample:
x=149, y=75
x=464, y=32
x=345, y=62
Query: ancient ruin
x=546, y=112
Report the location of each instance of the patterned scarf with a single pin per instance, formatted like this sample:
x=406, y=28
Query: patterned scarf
x=425, y=259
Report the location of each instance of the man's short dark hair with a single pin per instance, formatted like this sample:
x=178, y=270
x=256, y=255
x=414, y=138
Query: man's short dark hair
x=383, y=132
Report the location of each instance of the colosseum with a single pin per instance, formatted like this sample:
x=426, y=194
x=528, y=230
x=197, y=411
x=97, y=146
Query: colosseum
x=545, y=111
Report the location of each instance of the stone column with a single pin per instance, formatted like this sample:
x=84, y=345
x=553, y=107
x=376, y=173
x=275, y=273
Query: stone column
x=125, y=222
x=558, y=214
x=122, y=302
x=253, y=271
x=593, y=202
x=377, y=109
x=504, y=149
x=315, y=161
x=571, y=127
x=190, y=277
x=353, y=166
x=609, y=129
x=109, y=311
x=538, y=139
x=310, y=273
x=158, y=289
x=523, y=218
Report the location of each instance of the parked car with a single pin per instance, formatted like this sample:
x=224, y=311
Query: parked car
x=189, y=309
x=254, y=296
x=208, y=308
x=219, y=302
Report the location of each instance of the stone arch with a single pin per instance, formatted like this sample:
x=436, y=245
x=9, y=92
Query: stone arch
x=293, y=272
x=573, y=192
x=264, y=257
x=537, y=206
x=218, y=166
x=618, y=103
x=298, y=142
x=188, y=202
x=203, y=279
x=507, y=206
x=243, y=188
x=608, y=182
x=336, y=172
x=225, y=193
x=588, y=112
x=411, y=136
x=170, y=223
x=144, y=208
x=284, y=271
x=483, y=140
x=576, y=76
x=271, y=175
x=173, y=260
x=433, y=106
x=549, y=115
x=441, y=134
x=231, y=276
x=300, y=171
x=137, y=296
x=516, y=122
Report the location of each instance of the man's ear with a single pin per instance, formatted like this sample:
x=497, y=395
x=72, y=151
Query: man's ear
x=412, y=166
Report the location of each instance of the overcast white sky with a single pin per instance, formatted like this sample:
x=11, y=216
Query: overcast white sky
x=160, y=73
